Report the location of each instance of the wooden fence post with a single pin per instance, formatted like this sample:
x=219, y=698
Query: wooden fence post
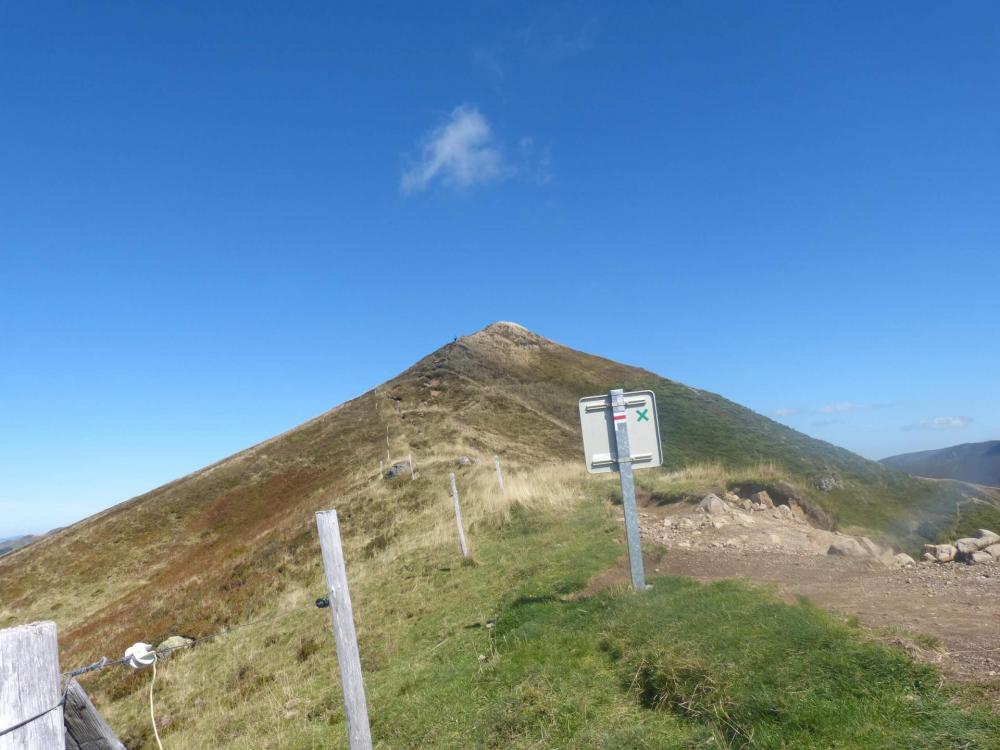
x=85, y=729
x=412, y=475
x=496, y=460
x=458, y=519
x=29, y=686
x=359, y=734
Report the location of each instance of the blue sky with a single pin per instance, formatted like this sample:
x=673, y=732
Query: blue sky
x=218, y=220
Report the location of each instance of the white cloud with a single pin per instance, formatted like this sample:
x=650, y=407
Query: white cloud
x=461, y=153
x=940, y=423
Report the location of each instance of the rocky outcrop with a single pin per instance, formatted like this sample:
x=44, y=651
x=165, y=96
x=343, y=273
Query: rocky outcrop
x=977, y=550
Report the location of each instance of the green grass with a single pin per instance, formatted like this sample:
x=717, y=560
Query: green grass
x=684, y=665
x=507, y=654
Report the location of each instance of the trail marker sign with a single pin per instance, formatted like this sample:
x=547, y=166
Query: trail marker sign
x=600, y=444
x=621, y=432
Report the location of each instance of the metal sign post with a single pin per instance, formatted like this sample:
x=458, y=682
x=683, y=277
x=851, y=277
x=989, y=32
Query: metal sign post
x=628, y=489
x=621, y=431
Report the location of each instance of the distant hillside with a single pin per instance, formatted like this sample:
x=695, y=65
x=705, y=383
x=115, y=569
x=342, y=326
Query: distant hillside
x=978, y=463
x=16, y=542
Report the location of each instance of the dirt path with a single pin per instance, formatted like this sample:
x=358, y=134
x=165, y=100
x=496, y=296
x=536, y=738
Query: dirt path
x=957, y=604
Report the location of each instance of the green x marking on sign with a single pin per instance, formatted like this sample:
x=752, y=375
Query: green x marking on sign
x=642, y=415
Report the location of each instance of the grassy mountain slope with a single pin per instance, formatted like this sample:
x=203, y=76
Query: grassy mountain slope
x=970, y=462
x=236, y=541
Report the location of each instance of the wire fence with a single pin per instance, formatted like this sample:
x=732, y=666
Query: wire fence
x=105, y=663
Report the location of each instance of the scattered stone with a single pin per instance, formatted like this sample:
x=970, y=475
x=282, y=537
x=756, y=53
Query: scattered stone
x=396, y=470
x=929, y=557
x=763, y=499
x=967, y=546
x=847, y=547
x=667, y=523
x=941, y=552
x=904, y=561
x=993, y=551
x=463, y=461
x=785, y=512
x=732, y=498
x=746, y=505
x=718, y=523
x=979, y=557
x=175, y=642
x=828, y=483
x=713, y=505
x=987, y=538
x=743, y=519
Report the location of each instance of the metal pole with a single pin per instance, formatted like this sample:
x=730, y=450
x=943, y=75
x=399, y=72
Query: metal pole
x=458, y=519
x=624, y=457
x=359, y=734
x=29, y=687
x=496, y=460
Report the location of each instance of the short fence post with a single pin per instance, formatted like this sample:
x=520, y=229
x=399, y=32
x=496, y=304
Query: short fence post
x=496, y=460
x=359, y=734
x=412, y=475
x=458, y=519
x=381, y=470
x=29, y=686
x=85, y=728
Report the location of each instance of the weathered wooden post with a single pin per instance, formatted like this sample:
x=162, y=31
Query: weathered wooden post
x=359, y=735
x=29, y=688
x=85, y=729
x=496, y=460
x=458, y=518
x=412, y=475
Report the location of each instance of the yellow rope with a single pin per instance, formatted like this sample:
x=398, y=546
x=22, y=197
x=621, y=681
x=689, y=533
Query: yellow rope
x=152, y=714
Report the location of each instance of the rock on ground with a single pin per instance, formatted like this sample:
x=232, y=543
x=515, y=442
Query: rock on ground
x=941, y=552
x=174, y=642
x=396, y=470
x=763, y=499
x=847, y=547
x=967, y=546
x=713, y=505
x=987, y=538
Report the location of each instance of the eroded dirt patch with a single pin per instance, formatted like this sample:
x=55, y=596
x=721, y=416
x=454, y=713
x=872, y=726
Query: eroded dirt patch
x=957, y=605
